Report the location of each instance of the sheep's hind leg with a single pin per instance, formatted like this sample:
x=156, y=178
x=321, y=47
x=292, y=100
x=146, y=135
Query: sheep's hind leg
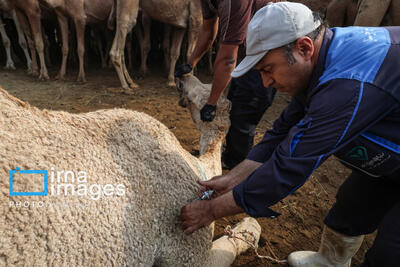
x=225, y=249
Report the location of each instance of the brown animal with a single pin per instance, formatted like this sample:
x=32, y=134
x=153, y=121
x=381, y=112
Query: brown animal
x=29, y=14
x=6, y=8
x=377, y=13
x=81, y=12
x=363, y=13
x=178, y=13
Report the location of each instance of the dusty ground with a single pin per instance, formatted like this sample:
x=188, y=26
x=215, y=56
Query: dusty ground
x=299, y=227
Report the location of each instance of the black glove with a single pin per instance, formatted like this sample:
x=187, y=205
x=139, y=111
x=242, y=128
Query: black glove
x=207, y=113
x=182, y=69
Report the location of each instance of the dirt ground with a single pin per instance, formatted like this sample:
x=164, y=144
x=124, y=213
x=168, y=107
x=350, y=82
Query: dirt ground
x=300, y=224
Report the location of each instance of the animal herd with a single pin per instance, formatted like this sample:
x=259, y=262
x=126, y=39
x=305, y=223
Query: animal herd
x=30, y=16
x=125, y=16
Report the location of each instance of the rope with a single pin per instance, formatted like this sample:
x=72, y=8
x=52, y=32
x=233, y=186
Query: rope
x=231, y=234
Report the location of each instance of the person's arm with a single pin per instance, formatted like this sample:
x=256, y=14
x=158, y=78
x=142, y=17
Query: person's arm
x=338, y=114
x=206, y=38
x=224, y=65
x=201, y=213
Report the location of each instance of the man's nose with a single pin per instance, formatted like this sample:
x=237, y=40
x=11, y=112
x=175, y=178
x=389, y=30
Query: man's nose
x=267, y=80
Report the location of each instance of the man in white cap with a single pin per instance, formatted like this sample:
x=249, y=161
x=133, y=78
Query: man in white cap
x=345, y=88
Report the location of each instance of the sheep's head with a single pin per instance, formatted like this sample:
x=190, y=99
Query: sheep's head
x=194, y=95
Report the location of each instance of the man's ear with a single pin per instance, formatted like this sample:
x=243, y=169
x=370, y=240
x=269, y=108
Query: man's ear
x=305, y=47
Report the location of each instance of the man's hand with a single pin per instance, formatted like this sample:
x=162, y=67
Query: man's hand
x=220, y=184
x=182, y=70
x=196, y=215
x=207, y=113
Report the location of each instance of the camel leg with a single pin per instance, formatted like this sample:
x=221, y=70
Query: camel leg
x=46, y=48
x=167, y=46
x=126, y=19
x=145, y=42
x=22, y=41
x=26, y=29
x=80, y=40
x=7, y=46
x=224, y=250
x=175, y=52
x=103, y=54
x=336, y=13
x=371, y=12
x=34, y=21
x=129, y=50
x=63, y=22
x=394, y=13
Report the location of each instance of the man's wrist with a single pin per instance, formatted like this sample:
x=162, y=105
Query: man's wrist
x=224, y=205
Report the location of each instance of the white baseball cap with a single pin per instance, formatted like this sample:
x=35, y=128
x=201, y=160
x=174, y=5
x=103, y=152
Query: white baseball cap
x=273, y=26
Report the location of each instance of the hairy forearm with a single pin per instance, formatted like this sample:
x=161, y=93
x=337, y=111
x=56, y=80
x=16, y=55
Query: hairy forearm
x=206, y=38
x=242, y=171
x=223, y=67
x=224, y=205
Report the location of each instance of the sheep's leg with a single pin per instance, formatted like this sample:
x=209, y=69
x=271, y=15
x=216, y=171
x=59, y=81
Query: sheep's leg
x=175, y=52
x=225, y=250
x=7, y=46
x=63, y=22
x=22, y=41
x=126, y=19
x=371, y=12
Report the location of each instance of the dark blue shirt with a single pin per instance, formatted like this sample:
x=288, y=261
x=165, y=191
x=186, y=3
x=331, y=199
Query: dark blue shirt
x=351, y=109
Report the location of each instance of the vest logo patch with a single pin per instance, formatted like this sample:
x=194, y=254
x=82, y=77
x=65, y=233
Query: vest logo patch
x=358, y=153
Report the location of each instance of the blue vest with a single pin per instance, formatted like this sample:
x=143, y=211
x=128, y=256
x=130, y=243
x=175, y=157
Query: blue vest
x=375, y=60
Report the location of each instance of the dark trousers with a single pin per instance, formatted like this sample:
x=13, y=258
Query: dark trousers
x=250, y=99
x=364, y=204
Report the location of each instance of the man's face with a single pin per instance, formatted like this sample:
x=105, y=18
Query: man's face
x=288, y=78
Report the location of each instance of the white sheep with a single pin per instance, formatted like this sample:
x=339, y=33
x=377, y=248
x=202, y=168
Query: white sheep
x=117, y=180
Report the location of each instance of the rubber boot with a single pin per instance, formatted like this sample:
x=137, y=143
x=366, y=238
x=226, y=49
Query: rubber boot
x=336, y=250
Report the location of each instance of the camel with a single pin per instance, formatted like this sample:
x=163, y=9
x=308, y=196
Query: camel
x=5, y=7
x=373, y=13
x=182, y=14
x=137, y=177
x=171, y=42
x=340, y=13
x=377, y=13
x=82, y=12
x=29, y=15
